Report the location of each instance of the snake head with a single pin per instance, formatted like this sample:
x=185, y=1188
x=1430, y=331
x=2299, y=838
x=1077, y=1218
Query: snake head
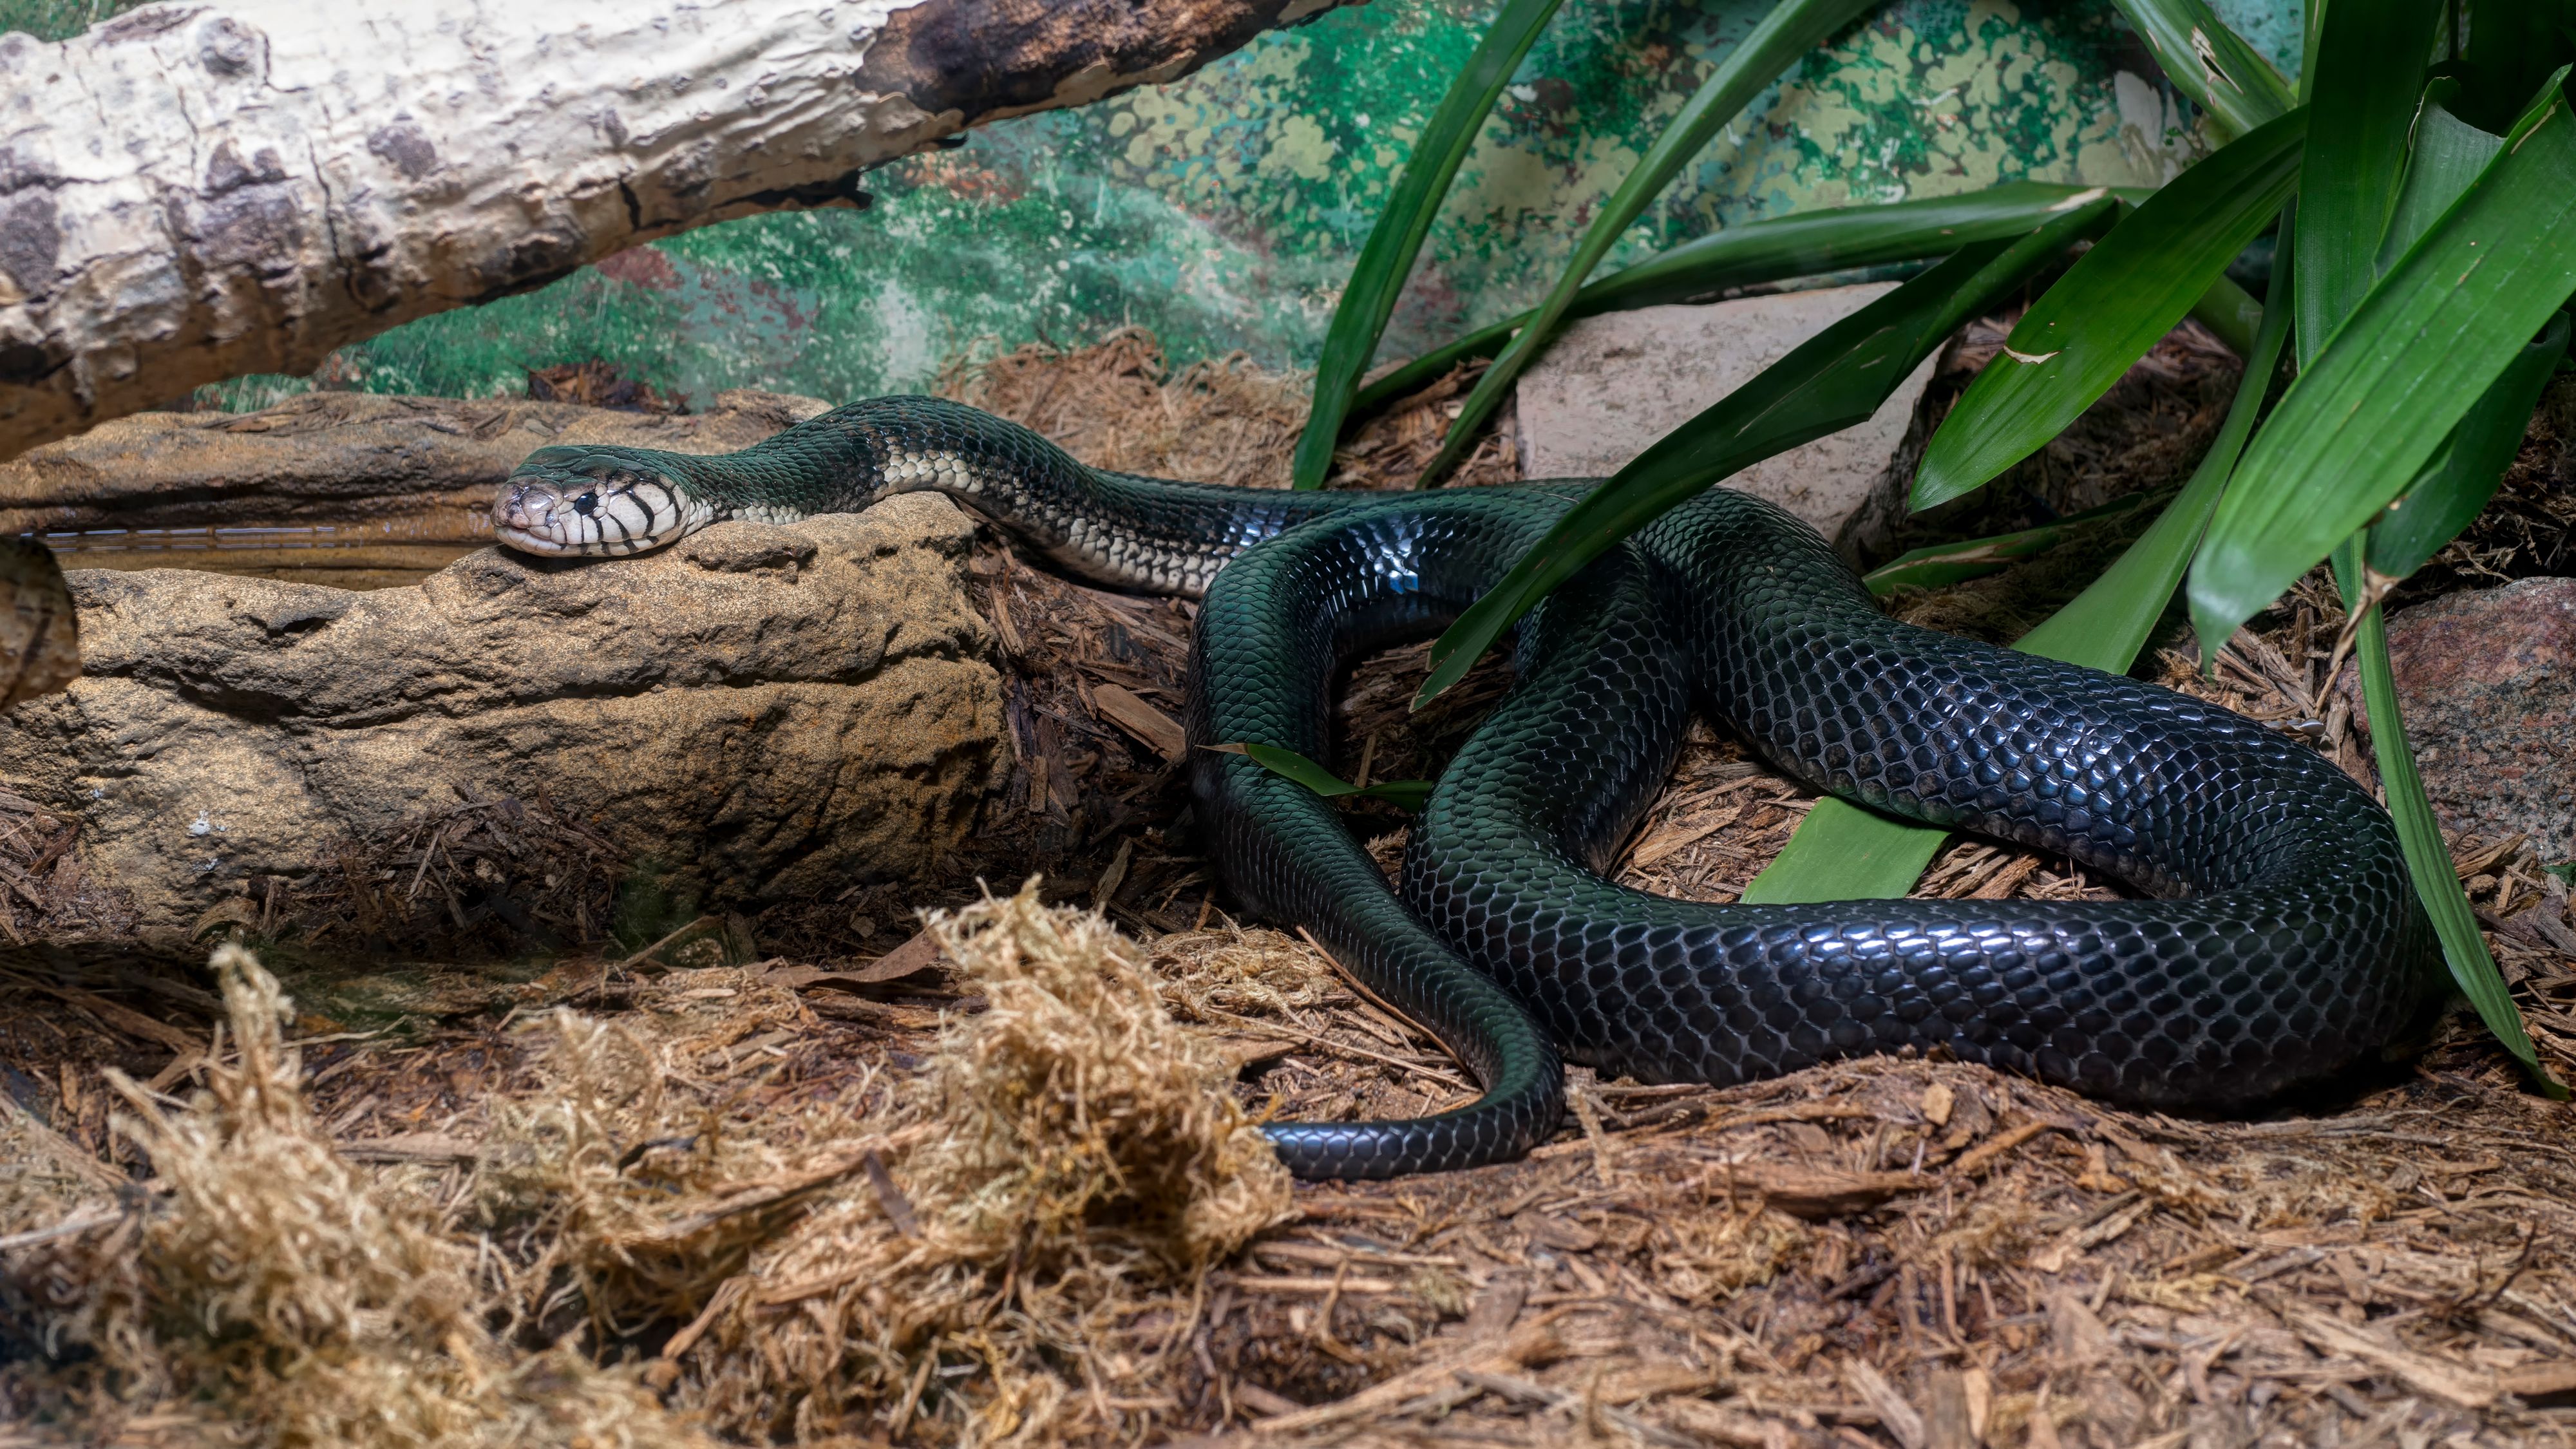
x=596, y=501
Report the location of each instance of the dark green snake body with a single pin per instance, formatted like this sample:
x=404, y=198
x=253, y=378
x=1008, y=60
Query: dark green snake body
x=2285, y=943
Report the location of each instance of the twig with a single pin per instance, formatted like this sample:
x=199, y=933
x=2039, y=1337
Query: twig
x=68, y=1228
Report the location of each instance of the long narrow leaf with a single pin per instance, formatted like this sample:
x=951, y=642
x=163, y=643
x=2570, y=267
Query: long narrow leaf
x=1279, y=760
x=1843, y=852
x=1802, y=244
x=1833, y=380
x=1846, y=852
x=1943, y=564
x=2209, y=63
x=2453, y=489
x=2109, y=308
x=2106, y=625
x=1793, y=28
x=2362, y=99
x=2230, y=313
x=1386, y=259
x=2428, y=857
x=2445, y=160
x=2426, y=343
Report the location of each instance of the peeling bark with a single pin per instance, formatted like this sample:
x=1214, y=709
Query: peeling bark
x=192, y=192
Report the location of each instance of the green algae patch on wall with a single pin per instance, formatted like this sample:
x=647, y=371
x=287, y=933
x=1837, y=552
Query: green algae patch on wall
x=1223, y=210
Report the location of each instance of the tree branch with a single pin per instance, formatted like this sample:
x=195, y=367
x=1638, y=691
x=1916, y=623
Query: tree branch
x=192, y=192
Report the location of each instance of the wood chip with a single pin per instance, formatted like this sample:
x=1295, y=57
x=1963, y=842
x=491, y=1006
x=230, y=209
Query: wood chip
x=1978, y=1158
x=1670, y=839
x=1152, y=728
x=1822, y=1192
x=2455, y=1384
x=410, y=1147
x=2546, y=1379
x=1898, y=1417
x=125, y=1018
x=1531, y=1344
x=912, y=958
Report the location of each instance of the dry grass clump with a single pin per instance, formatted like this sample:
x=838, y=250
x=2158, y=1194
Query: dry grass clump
x=1011, y=1247
x=277, y=1290
x=1233, y=970
x=622, y=1191
x=1022, y=1265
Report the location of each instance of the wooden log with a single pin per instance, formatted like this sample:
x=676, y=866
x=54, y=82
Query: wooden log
x=192, y=192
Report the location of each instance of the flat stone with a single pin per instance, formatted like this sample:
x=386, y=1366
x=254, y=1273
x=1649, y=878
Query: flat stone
x=2487, y=681
x=770, y=711
x=1615, y=383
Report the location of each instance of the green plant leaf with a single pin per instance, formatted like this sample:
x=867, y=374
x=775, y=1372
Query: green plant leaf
x=2210, y=64
x=2425, y=345
x=1846, y=852
x=1802, y=244
x=2446, y=157
x=1386, y=259
x=1943, y=564
x=1793, y=28
x=2230, y=313
x=2362, y=99
x=2455, y=484
x=2513, y=46
x=2110, y=307
x=1404, y=794
x=1829, y=382
x=2419, y=836
x=2106, y=625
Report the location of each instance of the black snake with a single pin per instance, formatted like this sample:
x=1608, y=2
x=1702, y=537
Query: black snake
x=2284, y=944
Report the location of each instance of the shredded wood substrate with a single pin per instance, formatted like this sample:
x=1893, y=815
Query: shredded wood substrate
x=837, y=1174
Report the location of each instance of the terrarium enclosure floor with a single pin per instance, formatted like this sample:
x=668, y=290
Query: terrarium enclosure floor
x=1886, y=1251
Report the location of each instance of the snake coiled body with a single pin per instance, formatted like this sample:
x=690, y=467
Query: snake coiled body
x=2284, y=944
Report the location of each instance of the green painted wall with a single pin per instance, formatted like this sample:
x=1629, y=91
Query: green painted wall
x=1223, y=210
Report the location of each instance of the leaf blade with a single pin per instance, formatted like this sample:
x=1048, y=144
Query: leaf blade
x=1831, y=381
x=1803, y=243
x=1386, y=258
x=1790, y=30
x=2363, y=95
x=1843, y=851
x=1288, y=764
x=2428, y=856
x=2376, y=403
x=2109, y=308
x=2210, y=63
x=2455, y=484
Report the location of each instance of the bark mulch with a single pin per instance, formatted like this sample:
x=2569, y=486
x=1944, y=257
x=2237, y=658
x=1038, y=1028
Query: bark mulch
x=1890, y=1251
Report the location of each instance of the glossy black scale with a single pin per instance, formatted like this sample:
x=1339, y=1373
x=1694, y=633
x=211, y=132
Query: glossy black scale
x=2285, y=945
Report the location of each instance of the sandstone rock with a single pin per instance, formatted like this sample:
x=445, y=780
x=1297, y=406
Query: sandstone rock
x=768, y=711
x=2487, y=680
x=1615, y=383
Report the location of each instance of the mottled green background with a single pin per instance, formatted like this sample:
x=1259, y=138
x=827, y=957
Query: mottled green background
x=1223, y=210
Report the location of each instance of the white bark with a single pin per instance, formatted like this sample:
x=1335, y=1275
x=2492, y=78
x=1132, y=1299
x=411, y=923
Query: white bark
x=196, y=191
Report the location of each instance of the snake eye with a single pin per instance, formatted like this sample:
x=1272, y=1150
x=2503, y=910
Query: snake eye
x=586, y=504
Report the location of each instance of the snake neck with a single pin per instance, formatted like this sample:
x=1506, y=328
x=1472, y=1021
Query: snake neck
x=1128, y=532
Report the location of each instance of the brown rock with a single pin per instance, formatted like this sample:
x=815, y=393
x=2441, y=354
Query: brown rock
x=766, y=711
x=2487, y=681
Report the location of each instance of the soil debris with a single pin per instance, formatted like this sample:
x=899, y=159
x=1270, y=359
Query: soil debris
x=1007, y=1189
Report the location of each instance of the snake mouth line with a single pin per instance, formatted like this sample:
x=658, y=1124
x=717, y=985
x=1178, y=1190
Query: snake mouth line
x=569, y=502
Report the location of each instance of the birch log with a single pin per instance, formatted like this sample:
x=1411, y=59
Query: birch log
x=192, y=192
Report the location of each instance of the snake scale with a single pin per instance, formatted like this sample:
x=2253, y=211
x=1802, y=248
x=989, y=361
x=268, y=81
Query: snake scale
x=2282, y=942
